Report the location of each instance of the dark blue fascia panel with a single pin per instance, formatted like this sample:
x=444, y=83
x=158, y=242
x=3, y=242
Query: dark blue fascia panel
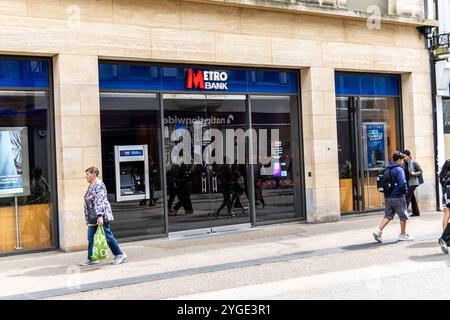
x=126, y=76
x=116, y=76
x=24, y=73
x=272, y=81
x=363, y=84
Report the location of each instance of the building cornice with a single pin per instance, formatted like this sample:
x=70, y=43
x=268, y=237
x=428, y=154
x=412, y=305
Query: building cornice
x=334, y=9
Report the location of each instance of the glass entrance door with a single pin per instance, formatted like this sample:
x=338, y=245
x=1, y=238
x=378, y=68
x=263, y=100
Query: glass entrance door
x=202, y=190
x=368, y=134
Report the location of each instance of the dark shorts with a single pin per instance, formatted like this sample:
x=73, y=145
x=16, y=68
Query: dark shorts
x=395, y=206
x=445, y=202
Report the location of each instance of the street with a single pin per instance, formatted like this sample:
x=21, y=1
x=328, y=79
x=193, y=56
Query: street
x=401, y=271
x=292, y=261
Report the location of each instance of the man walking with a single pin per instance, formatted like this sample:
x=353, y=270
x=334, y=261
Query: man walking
x=413, y=175
x=444, y=178
x=395, y=201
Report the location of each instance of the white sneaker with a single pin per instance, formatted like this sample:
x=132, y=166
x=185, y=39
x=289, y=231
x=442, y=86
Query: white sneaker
x=120, y=258
x=405, y=237
x=89, y=263
x=443, y=245
x=377, y=235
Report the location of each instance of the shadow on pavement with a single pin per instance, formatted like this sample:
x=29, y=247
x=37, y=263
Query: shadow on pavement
x=53, y=271
x=435, y=257
x=365, y=246
x=424, y=245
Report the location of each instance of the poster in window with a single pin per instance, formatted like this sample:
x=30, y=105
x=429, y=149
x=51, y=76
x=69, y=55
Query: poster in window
x=376, y=145
x=14, y=170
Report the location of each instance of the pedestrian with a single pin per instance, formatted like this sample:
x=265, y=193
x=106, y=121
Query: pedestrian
x=395, y=201
x=237, y=188
x=171, y=189
x=258, y=185
x=226, y=182
x=97, y=206
x=444, y=178
x=414, y=178
x=182, y=179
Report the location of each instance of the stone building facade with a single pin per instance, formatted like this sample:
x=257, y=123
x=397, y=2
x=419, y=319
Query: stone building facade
x=317, y=39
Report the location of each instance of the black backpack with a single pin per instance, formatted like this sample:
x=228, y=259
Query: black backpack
x=385, y=183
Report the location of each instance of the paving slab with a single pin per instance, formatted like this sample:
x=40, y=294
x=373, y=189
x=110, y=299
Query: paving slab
x=55, y=273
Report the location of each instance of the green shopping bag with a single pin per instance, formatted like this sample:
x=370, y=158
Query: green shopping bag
x=100, y=249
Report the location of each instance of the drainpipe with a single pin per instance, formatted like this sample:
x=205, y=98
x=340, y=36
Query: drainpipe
x=435, y=128
x=428, y=33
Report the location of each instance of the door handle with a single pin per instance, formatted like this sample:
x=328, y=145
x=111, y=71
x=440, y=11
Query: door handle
x=214, y=183
x=204, y=189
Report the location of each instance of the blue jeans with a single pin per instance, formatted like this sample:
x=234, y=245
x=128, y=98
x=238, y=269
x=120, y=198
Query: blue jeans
x=112, y=243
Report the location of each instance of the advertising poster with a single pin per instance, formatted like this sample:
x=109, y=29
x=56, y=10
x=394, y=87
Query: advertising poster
x=14, y=173
x=375, y=145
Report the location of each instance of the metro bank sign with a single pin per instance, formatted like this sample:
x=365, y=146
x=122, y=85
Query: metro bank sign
x=206, y=80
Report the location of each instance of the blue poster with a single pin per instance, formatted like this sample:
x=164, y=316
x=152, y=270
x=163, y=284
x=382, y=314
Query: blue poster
x=376, y=145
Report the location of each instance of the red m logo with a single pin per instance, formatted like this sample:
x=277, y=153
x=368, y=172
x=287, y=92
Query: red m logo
x=195, y=80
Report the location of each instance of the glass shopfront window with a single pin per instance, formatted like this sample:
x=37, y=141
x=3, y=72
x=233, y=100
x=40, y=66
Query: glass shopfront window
x=278, y=185
x=27, y=190
x=205, y=193
x=446, y=114
x=202, y=147
x=131, y=122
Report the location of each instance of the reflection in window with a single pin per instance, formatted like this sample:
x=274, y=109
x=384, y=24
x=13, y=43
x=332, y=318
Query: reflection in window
x=277, y=185
x=131, y=119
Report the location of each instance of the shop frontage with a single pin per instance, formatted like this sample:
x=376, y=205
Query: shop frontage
x=203, y=117
x=194, y=127
x=368, y=113
x=27, y=171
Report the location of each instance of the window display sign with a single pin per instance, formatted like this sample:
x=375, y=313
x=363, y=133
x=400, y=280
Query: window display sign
x=132, y=175
x=14, y=171
x=375, y=134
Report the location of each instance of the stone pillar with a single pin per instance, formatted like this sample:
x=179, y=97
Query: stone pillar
x=418, y=131
x=320, y=141
x=78, y=143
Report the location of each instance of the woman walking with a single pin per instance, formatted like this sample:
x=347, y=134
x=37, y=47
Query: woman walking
x=97, y=212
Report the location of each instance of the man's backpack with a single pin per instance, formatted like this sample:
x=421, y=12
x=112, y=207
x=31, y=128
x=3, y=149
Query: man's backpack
x=385, y=183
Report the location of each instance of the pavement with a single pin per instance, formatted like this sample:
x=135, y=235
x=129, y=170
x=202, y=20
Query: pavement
x=286, y=261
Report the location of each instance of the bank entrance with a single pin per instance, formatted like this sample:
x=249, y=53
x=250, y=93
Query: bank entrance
x=369, y=131
x=200, y=148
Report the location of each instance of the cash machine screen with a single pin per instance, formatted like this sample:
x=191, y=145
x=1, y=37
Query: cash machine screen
x=132, y=178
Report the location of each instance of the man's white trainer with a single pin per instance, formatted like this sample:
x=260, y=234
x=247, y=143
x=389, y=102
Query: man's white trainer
x=405, y=237
x=377, y=235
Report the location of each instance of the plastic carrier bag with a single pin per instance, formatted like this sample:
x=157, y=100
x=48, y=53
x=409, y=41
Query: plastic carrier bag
x=100, y=249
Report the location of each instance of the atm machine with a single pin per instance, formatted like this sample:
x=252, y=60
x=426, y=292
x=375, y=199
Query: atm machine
x=132, y=175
